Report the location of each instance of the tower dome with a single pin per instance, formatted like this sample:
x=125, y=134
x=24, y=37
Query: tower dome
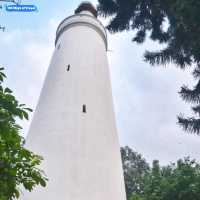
x=86, y=6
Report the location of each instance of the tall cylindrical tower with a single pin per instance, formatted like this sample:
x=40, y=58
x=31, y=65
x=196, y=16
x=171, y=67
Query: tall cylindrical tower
x=74, y=124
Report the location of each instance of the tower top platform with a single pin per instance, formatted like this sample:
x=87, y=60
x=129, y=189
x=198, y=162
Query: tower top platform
x=85, y=15
x=86, y=6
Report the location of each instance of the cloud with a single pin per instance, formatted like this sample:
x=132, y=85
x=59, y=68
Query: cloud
x=147, y=102
x=26, y=55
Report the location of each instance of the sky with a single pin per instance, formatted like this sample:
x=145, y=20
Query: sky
x=146, y=98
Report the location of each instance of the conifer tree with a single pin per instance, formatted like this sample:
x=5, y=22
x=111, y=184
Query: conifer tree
x=135, y=167
x=148, y=18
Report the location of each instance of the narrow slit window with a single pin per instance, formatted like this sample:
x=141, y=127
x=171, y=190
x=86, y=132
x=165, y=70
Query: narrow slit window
x=84, y=108
x=68, y=67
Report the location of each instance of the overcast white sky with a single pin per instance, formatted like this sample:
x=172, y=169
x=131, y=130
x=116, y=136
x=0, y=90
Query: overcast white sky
x=145, y=98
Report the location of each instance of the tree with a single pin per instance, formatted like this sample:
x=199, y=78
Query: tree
x=176, y=181
x=18, y=166
x=174, y=23
x=135, y=167
x=180, y=181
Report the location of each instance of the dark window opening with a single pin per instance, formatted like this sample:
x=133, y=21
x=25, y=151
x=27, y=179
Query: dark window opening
x=68, y=67
x=84, y=108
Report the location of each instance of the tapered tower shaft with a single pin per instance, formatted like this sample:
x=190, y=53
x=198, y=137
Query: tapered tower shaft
x=74, y=125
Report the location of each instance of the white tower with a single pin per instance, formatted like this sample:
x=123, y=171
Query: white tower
x=74, y=124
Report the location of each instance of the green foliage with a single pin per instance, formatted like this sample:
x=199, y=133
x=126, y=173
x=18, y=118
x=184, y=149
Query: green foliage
x=174, y=23
x=135, y=197
x=18, y=166
x=135, y=167
x=177, y=181
x=180, y=181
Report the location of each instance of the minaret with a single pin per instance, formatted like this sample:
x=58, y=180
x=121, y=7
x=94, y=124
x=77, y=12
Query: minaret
x=74, y=124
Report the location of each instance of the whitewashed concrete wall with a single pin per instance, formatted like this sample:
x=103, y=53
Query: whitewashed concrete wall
x=81, y=150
